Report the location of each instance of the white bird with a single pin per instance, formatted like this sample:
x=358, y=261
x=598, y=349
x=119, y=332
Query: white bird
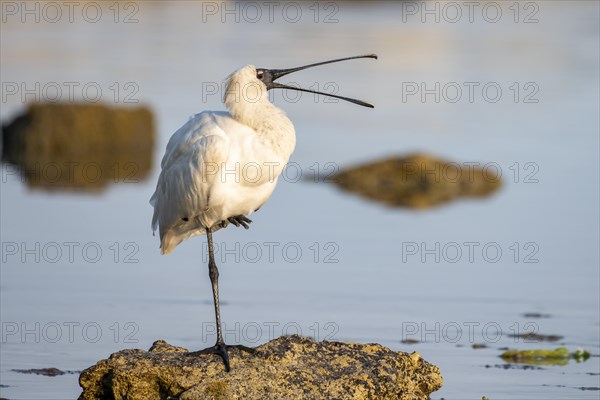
x=221, y=166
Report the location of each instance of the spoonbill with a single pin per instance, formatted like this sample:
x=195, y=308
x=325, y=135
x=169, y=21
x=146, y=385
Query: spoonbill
x=220, y=167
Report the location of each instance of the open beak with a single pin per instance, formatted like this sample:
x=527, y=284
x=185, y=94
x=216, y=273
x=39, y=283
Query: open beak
x=270, y=75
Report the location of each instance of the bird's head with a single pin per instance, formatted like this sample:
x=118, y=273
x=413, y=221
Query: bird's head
x=250, y=84
x=244, y=86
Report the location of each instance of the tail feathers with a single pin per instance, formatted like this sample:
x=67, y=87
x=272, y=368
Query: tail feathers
x=172, y=235
x=171, y=238
x=154, y=223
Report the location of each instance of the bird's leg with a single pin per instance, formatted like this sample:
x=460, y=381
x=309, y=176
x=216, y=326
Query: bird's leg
x=240, y=220
x=220, y=348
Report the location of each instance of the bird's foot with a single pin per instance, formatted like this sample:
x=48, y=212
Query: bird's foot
x=240, y=220
x=220, y=349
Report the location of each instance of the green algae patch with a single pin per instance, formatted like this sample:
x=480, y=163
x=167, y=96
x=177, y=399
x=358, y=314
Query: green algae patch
x=557, y=356
x=580, y=355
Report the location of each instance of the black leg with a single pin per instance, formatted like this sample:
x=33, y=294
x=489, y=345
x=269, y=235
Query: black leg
x=213, y=273
x=220, y=348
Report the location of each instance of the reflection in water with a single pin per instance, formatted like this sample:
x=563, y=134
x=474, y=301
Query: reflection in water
x=419, y=181
x=79, y=146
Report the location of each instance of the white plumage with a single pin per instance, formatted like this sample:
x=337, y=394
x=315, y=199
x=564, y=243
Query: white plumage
x=222, y=164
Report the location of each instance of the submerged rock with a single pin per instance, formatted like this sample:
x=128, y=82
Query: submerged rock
x=79, y=146
x=290, y=367
x=532, y=337
x=45, y=371
x=419, y=181
x=536, y=315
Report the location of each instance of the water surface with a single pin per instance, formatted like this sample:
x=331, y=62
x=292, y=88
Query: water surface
x=356, y=277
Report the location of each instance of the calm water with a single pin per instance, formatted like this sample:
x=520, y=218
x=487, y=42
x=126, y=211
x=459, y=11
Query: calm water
x=318, y=261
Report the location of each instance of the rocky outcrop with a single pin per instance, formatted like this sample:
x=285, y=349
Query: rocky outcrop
x=290, y=367
x=79, y=146
x=420, y=181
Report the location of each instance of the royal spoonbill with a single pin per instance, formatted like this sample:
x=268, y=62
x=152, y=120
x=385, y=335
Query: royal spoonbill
x=220, y=167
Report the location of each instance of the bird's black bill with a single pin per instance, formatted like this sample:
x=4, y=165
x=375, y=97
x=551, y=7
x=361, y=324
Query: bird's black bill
x=270, y=75
x=278, y=73
x=276, y=85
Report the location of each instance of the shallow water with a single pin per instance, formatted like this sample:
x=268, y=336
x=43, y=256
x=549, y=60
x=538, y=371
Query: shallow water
x=318, y=261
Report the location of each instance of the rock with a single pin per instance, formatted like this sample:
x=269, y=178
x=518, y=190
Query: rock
x=533, y=337
x=523, y=367
x=290, y=367
x=79, y=146
x=419, y=181
x=409, y=341
x=45, y=371
x=536, y=315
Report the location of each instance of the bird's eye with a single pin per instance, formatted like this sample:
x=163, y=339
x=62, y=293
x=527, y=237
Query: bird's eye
x=259, y=74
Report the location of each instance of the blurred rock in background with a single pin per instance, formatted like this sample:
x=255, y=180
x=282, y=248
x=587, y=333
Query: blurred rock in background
x=419, y=180
x=79, y=146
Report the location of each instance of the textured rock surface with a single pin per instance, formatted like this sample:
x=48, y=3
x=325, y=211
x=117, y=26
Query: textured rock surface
x=419, y=181
x=286, y=368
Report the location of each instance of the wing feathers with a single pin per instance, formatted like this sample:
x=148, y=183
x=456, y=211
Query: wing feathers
x=189, y=168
